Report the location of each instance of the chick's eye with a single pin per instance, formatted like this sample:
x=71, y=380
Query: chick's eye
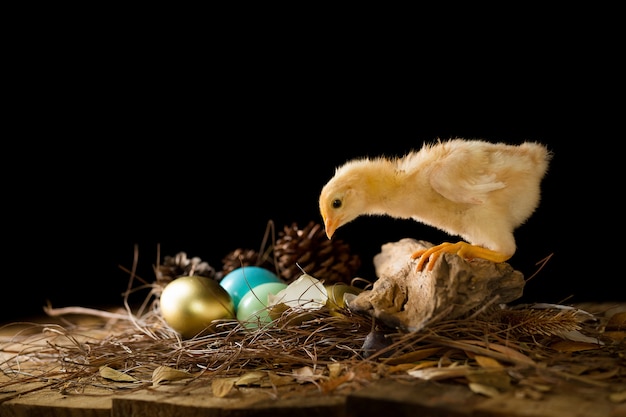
x=336, y=203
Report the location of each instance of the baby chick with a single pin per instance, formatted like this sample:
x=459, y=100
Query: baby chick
x=478, y=190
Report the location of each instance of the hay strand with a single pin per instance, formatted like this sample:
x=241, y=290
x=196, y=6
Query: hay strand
x=330, y=350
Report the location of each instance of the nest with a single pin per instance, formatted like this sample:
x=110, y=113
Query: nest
x=527, y=349
x=332, y=351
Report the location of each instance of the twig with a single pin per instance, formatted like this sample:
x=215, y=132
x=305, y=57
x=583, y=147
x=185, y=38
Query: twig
x=55, y=312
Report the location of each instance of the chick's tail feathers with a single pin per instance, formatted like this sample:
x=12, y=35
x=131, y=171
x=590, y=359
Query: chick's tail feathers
x=463, y=249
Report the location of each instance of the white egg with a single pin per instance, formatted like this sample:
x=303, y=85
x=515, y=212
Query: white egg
x=306, y=293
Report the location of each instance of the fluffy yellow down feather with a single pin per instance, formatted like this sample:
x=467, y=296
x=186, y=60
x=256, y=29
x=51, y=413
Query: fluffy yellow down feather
x=478, y=190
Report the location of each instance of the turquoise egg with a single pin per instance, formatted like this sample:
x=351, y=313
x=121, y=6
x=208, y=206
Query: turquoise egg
x=252, y=309
x=241, y=280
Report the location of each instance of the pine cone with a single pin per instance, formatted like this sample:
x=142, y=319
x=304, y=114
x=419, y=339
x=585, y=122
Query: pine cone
x=310, y=250
x=243, y=257
x=180, y=265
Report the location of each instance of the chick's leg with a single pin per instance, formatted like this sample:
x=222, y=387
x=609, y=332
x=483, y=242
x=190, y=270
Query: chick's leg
x=463, y=249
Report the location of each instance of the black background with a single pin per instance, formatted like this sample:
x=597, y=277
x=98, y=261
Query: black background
x=182, y=152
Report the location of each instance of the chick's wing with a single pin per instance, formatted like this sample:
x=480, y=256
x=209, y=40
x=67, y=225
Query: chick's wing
x=465, y=176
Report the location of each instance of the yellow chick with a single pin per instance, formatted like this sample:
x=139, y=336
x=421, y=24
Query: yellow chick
x=478, y=190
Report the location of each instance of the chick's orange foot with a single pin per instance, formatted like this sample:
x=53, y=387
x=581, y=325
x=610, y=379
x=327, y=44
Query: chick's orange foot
x=463, y=249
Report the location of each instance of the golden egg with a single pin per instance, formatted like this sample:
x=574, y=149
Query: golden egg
x=191, y=304
x=336, y=294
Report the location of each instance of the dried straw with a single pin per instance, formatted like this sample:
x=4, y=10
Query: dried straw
x=340, y=350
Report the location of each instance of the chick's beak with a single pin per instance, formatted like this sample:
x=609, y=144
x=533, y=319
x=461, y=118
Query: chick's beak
x=329, y=226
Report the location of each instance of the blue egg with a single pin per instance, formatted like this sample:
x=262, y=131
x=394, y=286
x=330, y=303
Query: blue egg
x=241, y=280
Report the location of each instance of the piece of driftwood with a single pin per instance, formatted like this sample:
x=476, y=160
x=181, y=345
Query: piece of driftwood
x=407, y=299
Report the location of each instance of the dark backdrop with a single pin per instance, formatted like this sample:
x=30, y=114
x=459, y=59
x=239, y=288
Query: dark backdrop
x=207, y=188
x=108, y=157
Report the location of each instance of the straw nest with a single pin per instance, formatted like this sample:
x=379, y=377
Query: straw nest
x=527, y=349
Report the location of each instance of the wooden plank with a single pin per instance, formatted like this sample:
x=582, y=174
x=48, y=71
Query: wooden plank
x=51, y=403
x=407, y=398
x=246, y=402
x=413, y=398
x=457, y=400
x=559, y=404
x=39, y=399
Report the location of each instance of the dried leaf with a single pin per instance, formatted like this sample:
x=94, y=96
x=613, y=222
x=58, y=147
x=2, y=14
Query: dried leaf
x=251, y=378
x=576, y=336
x=276, y=380
x=618, y=397
x=485, y=390
x=334, y=369
x=306, y=374
x=165, y=374
x=304, y=371
x=506, y=352
x=617, y=321
x=572, y=346
x=536, y=383
x=221, y=387
x=435, y=374
x=615, y=336
x=487, y=362
x=604, y=375
x=425, y=364
x=332, y=383
x=414, y=356
x=114, y=375
x=403, y=367
x=498, y=379
x=528, y=392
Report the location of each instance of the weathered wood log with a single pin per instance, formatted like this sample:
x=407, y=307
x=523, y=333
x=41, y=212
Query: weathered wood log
x=407, y=299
